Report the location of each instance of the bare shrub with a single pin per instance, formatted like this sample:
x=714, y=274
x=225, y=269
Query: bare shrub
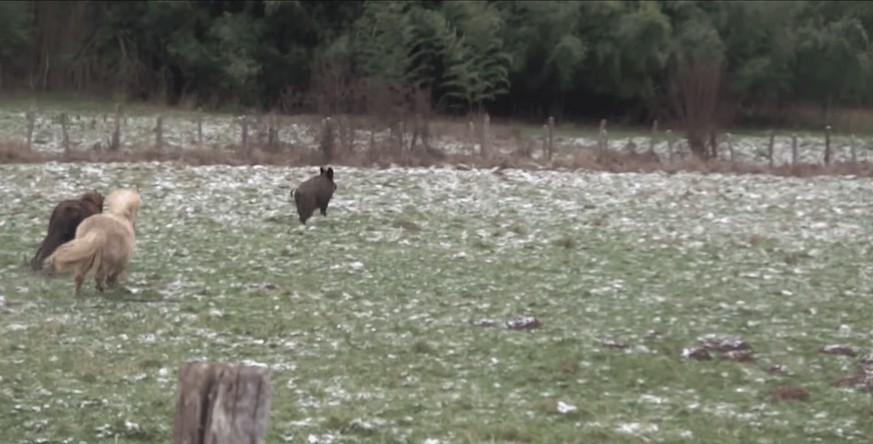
x=292, y=99
x=696, y=98
x=345, y=130
x=420, y=104
x=387, y=106
x=335, y=88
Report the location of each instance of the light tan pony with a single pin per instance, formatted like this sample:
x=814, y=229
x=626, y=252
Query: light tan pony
x=104, y=243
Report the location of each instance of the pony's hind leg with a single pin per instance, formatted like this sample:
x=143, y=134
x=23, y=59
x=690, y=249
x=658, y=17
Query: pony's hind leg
x=36, y=263
x=116, y=280
x=80, y=279
x=82, y=273
x=101, y=277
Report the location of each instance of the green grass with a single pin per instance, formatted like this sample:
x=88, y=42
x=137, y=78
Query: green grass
x=367, y=316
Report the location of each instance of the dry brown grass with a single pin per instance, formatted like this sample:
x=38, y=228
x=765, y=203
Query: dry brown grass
x=383, y=157
x=845, y=119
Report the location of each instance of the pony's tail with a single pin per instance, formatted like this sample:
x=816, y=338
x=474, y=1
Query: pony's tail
x=48, y=246
x=78, y=253
x=36, y=261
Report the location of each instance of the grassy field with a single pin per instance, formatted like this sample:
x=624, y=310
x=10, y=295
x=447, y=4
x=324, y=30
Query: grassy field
x=385, y=321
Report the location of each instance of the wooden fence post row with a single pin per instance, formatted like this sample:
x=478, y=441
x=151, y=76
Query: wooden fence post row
x=221, y=404
x=484, y=136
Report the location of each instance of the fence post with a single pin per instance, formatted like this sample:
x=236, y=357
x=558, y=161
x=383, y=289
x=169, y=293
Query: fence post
x=245, y=135
x=31, y=121
x=551, y=127
x=65, y=136
x=273, y=133
x=770, y=148
x=418, y=132
x=115, y=142
x=854, y=152
x=159, y=133
x=471, y=131
x=221, y=404
x=669, y=135
x=730, y=145
x=401, y=132
x=713, y=144
x=827, y=153
x=604, y=138
x=654, y=135
x=200, y=127
x=486, y=128
x=794, y=149
x=328, y=138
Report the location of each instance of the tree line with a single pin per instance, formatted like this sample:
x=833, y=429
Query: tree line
x=701, y=62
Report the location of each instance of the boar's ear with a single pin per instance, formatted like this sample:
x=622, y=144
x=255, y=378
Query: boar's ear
x=321, y=171
x=330, y=173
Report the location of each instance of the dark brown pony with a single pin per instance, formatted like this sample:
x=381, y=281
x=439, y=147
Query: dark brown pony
x=63, y=222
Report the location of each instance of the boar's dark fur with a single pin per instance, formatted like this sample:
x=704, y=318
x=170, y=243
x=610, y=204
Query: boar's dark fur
x=315, y=192
x=64, y=221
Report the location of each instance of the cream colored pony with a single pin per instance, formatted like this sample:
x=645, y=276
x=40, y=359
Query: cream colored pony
x=104, y=243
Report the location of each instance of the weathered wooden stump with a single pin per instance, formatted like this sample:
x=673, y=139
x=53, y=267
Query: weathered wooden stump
x=221, y=404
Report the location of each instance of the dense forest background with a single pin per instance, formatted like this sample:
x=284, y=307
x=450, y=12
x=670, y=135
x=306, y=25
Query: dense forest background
x=704, y=63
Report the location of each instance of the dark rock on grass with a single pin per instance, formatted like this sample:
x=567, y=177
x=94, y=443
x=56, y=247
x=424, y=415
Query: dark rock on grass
x=613, y=344
x=523, y=323
x=700, y=354
x=723, y=344
x=653, y=334
x=731, y=349
x=788, y=393
x=839, y=350
x=859, y=378
x=484, y=323
x=263, y=285
x=777, y=369
x=738, y=356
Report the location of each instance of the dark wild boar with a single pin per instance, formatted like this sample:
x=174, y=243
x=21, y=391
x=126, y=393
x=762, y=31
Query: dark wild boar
x=315, y=192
